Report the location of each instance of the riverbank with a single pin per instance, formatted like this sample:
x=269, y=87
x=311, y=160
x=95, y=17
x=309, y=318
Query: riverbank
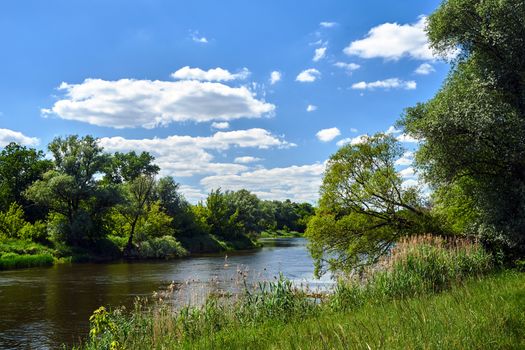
x=483, y=313
x=431, y=293
x=16, y=253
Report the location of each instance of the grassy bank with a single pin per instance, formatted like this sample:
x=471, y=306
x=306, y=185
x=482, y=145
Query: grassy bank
x=429, y=293
x=281, y=234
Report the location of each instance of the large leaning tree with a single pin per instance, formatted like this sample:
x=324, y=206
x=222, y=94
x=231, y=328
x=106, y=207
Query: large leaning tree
x=364, y=207
x=473, y=153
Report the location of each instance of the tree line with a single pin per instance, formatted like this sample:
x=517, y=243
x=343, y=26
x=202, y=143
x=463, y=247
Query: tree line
x=82, y=199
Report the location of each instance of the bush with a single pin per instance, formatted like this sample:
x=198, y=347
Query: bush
x=165, y=247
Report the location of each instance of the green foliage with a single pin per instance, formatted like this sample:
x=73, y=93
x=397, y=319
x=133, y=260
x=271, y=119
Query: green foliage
x=364, y=208
x=272, y=313
x=165, y=247
x=10, y=261
x=472, y=131
x=19, y=168
x=14, y=225
x=126, y=167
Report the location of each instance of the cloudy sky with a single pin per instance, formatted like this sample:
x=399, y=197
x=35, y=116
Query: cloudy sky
x=232, y=94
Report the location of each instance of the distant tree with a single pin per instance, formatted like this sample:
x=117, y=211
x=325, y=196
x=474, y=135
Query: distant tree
x=247, y=205
x=19, y=168
x=364, y=207
x=221, y=218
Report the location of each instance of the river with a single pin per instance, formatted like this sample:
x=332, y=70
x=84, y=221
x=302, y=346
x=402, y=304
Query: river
x=41, y=308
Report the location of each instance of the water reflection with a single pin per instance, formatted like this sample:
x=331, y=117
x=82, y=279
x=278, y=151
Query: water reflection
x=44, y=307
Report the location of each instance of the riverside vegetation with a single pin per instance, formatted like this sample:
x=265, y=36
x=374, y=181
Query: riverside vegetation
x=86, y=205
x=430, y=267
x=395, y=306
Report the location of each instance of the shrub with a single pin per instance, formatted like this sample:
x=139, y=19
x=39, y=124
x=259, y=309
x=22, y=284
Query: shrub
x=161, y=248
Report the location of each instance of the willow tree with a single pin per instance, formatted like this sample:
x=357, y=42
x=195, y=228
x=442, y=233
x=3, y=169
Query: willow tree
x=474, y=128
x=364, y=206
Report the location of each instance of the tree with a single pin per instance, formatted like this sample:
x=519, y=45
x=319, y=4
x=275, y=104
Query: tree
x=19, y=168
x=176, y=206
x=138, y=195
x=124, y=167
x=247, y=205
x=72, y=191
x=364, y=206
x=473, y=130
x=221, y=218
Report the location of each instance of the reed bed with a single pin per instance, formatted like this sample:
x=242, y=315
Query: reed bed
x=416, y=269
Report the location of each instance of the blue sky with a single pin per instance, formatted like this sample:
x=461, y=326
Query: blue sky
x=236, y=94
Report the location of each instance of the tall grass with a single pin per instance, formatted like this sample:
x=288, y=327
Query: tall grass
x=10, y=261
x=416, y=267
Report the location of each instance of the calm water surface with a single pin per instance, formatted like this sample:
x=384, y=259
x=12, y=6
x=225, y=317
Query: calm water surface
x=41, y=308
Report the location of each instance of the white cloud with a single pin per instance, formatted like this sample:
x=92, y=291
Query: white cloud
x=392, y=83
x=394, y=41
x=328, y=24
x=308, y=75
x=215, y=74
x=406, y=138
x=352, y=140
x=349, y=67
x=406, y=159
x=410, y=183
x=247, y=160
x=220, y=125
x=311, y=108
x=326, y=135
x=130, y=103
x=196, y=37
x=408, y=173
x=319, y=54
x=192, y=194
x=424, y=69
x=275, y=76
x=187, y=156
x=298, y=183
x=7, y=136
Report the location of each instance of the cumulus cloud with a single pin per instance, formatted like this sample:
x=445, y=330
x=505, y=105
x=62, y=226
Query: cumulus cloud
x=328, y=24
x=192, y=194
x=298, y=183
x=401, y=137
x=326, y=135
x=392, y=83
x=275, y=76
x=352, y=140
x=393, y=41
x=408, y=173
x=319, y=54
x=220, y=125
x=214, y=74
x=308, y=76
x=424, y=69
x=196, y=37
x=7, y=136
x=187, y=156
x=406, y=159
x=349, y=67
x=132, y=103
x=247, y=160
x=311, y=108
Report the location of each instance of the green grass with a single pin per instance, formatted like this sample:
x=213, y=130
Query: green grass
x=429, y=293
x=281, y=234
x=10, y=261
x=486, y=313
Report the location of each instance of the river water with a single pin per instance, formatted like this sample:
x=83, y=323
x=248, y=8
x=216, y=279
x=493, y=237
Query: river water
x=41, y=308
